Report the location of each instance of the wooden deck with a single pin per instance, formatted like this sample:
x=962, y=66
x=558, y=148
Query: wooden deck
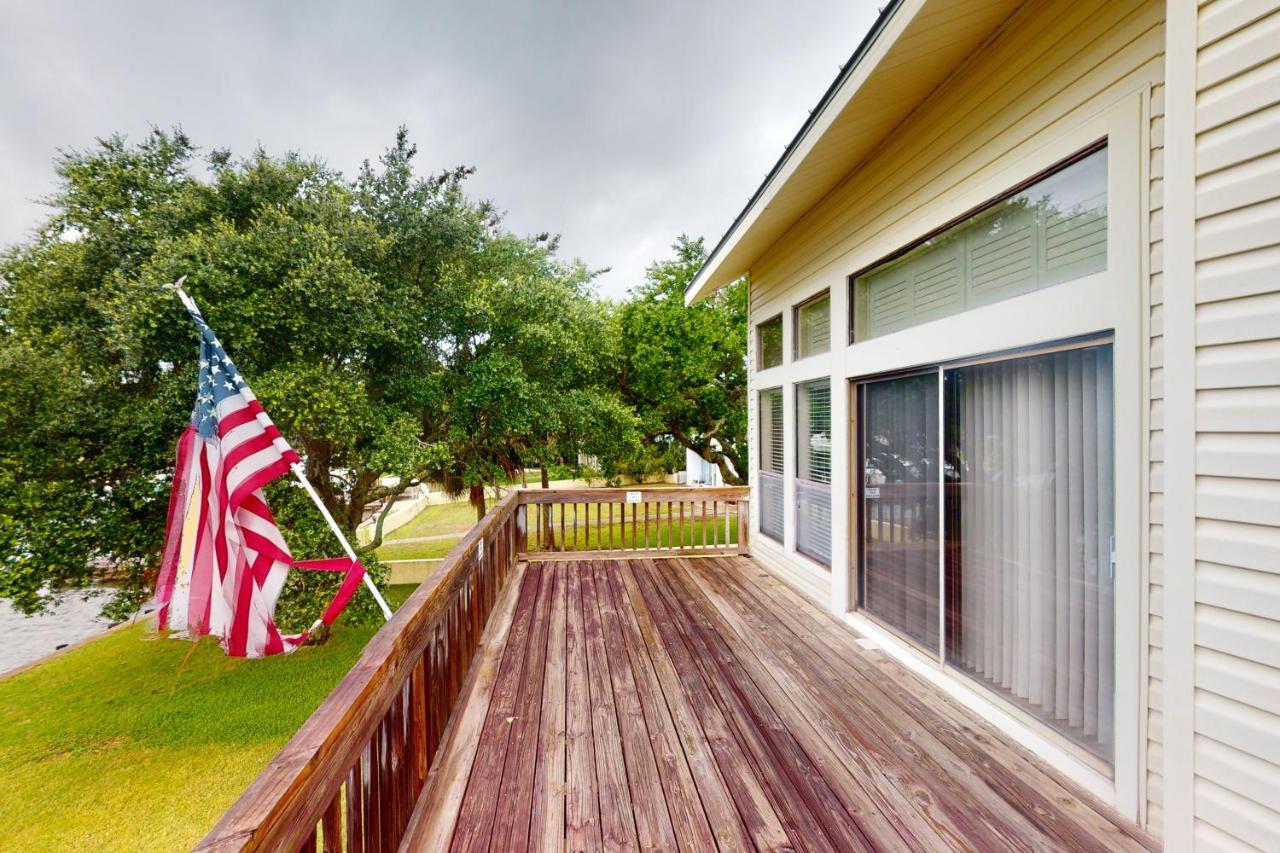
x=701, y=704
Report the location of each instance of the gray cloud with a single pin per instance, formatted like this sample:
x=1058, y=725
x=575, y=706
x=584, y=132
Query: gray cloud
x=616, y=125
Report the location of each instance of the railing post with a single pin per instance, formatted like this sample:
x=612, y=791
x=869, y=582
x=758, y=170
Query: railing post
x=744, y=526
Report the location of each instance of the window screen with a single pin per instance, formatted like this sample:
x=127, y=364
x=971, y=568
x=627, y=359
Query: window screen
x=813, y=327
x=1053, y=231
x=769, y=342
x=771, y=463
x=813, y=470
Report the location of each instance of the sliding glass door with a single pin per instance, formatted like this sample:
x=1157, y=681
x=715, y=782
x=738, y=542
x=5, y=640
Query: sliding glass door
x=1027, y=522
x=900, y=524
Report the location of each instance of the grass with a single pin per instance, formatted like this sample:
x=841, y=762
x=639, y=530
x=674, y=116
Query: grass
x=417, y=550
x=436, y=519
x=119, y=745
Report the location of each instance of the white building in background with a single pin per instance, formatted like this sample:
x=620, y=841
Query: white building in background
x=700, y=472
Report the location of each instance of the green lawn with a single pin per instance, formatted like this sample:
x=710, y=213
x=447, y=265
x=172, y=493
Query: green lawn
x=437, y=519
x=417, y=550
x=118, y=745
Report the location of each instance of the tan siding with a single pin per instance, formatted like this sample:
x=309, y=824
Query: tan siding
x=1237, y=616
x=1013, y=94
x=1155, y=511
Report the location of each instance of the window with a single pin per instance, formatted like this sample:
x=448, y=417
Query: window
x=813, y=470
x=1027, y=527
x=769, y=342
x=813, y=326
x=1053, y=231
x=771, y=463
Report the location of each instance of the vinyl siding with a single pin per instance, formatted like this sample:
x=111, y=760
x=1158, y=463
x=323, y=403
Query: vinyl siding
x=1048, y=67
x=1155, y=479
x=1237, y=582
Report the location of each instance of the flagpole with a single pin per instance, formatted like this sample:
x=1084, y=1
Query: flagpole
x=301, y=474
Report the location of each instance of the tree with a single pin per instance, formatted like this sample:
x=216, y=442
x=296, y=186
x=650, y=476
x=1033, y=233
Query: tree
x=369, y=317
x=684, y=368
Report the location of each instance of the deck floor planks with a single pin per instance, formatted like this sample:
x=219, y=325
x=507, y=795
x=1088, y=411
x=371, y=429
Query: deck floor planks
x=818, y=809
x=813, y=815
x=475, y=820
x=511, y=822
x=582, y=802
x=447, y=778
x=688, y=818
x=922, y=772
x=546, y=825
x=693, y=702
x=617, y=813
x=653, y=820
x=750, y=823
x=1021, y=780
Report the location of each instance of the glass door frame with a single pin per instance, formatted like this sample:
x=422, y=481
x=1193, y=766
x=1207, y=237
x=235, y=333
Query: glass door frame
x=857, y=550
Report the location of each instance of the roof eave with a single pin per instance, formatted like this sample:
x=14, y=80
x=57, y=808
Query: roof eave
x=713, y=275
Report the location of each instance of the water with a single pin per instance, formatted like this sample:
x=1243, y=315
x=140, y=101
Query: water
x=27, y=638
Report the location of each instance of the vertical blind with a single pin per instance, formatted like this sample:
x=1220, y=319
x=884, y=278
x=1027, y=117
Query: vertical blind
x=813, y=326
x=771, y=463
x=813, y=470
x=1030, y=576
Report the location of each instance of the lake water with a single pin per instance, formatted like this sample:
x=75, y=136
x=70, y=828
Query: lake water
x=27, y=638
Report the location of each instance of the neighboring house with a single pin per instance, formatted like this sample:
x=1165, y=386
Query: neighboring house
x=1015, y=382
x=700, y=472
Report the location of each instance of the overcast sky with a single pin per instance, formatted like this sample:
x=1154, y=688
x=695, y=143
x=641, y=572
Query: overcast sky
x=617, y=125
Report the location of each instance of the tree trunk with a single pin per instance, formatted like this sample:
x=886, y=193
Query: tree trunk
x=478, y=501
x=546, y=481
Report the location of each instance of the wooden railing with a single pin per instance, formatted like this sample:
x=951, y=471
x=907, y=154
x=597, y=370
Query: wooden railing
x=626, y=522
x=349, y=778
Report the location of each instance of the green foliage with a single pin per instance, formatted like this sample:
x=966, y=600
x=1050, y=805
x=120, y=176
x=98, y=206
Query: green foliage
x=684, y=368
x=392, y=328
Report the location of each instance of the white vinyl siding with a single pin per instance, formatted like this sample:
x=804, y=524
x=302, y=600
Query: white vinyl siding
x=1237, y=462
x=772, y=460
x=813, y=470
x=1053, y=231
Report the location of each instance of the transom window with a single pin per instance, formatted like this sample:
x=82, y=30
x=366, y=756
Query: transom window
x=769, y=343
x=813, y=326
x=1052, y=231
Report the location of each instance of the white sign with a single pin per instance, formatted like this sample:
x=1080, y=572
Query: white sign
x=871, y=492
x=633, y=497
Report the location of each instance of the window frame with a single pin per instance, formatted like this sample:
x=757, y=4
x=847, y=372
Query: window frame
x=857, y=299
x=1115, y=299
x=760, y=460
x=825, y=293
x=939, y=656
x=782, y=346
x=797, y=386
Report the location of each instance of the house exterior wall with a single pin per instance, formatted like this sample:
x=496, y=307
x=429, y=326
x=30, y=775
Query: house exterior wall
x=1220, y=601
x=1053, y=70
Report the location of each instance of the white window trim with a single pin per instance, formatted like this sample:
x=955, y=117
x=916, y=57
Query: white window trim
x=1107, y=301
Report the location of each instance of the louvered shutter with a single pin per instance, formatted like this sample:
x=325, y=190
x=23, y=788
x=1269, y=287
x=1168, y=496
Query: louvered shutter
x=1049, y=233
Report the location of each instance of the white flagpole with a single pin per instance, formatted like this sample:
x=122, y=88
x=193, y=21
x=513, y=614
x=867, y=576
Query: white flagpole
x=300, y=473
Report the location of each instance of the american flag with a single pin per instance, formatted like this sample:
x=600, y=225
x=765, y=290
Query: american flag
x=225, y=561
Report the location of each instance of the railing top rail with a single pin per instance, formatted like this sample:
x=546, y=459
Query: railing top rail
x=293, y=790
x=648, y=494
